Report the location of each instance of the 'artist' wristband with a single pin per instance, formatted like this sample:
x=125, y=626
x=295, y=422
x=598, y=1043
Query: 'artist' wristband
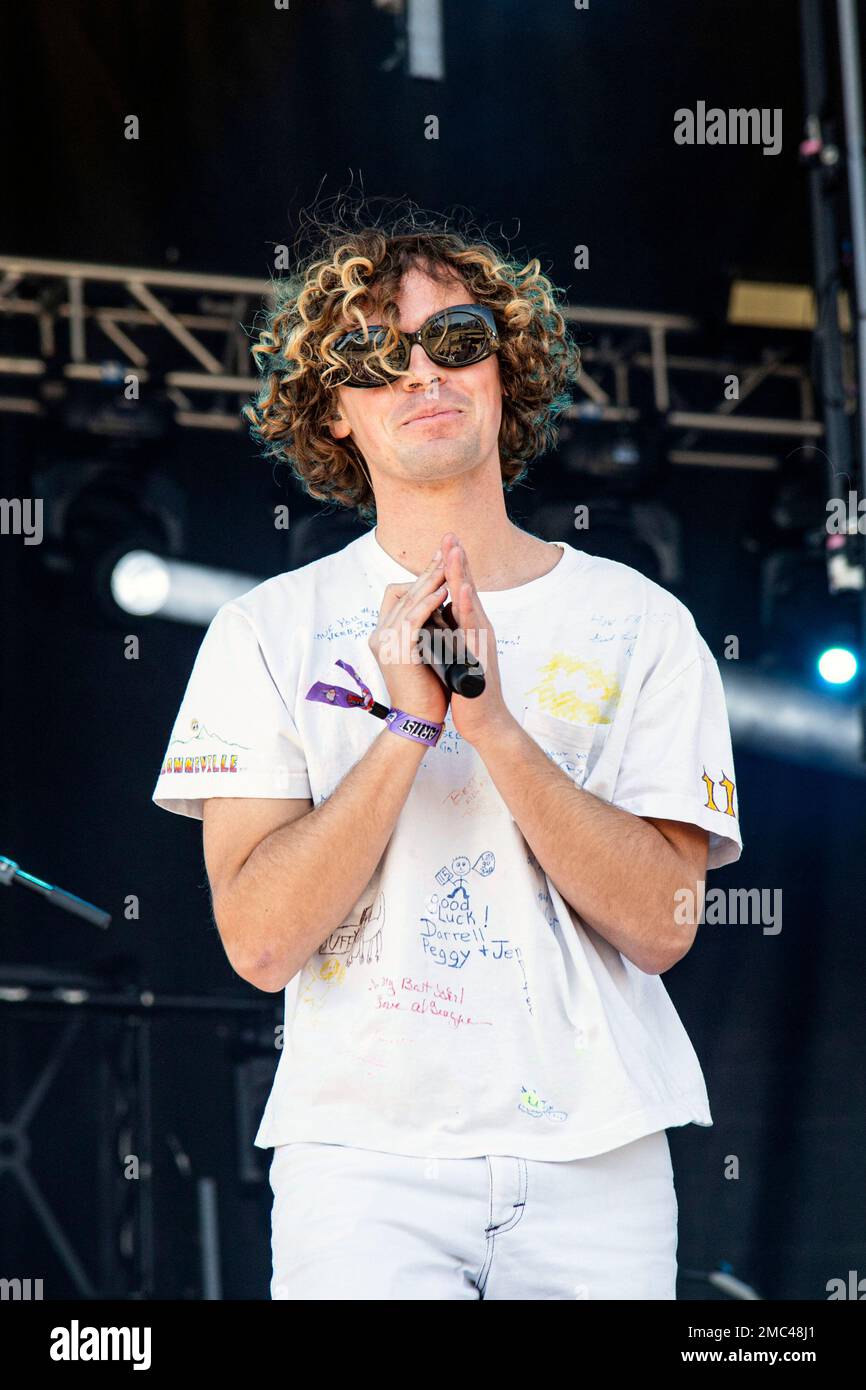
x=425, y=731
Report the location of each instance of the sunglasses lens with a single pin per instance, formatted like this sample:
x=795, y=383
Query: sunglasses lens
x=355, y=349
x=457, y=338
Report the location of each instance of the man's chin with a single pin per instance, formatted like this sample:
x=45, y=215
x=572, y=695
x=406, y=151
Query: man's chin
x=444, y=453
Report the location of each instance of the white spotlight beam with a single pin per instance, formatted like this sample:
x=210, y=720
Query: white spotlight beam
x=151, y=585
x=782, y=720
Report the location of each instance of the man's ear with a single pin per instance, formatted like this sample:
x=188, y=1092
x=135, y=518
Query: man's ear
x=338, y=426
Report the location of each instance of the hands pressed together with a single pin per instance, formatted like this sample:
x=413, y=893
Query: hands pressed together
x=412, y=684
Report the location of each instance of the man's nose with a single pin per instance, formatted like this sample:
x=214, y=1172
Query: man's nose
x=421, y=366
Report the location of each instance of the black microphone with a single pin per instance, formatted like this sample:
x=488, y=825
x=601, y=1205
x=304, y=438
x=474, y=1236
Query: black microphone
x=459, y=670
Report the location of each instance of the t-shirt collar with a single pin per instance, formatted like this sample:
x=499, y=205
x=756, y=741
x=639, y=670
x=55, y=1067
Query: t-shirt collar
x=383, y=567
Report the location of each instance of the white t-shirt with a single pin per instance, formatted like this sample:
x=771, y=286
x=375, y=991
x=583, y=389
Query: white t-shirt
x=463, y=1008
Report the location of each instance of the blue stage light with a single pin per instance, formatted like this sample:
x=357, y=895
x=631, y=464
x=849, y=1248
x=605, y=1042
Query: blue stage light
x=837, y=665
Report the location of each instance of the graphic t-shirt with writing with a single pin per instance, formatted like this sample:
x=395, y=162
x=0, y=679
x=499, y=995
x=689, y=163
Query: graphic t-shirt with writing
x=463, y=1007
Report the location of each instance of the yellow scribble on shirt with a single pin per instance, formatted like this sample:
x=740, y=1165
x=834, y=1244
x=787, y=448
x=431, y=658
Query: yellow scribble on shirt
x=317, y=981
x=557, y=694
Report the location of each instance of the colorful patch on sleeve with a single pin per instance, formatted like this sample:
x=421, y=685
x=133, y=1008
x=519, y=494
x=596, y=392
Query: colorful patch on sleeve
x=201, y=761
x=724, y=784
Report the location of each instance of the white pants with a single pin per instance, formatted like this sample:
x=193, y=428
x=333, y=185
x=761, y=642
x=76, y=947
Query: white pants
x=358, y=1224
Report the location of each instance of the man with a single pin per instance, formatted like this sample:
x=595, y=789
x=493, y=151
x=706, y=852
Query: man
x=468, y=901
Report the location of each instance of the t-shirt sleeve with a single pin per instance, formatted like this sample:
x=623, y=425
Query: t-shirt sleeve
x=677, y=762
x=234, y=734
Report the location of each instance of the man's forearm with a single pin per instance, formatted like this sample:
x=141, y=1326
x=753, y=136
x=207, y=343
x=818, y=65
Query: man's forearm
x=617, y=873
x=302, y=880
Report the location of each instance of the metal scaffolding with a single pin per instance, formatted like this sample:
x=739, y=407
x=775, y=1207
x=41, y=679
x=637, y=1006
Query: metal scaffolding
x=189, y=334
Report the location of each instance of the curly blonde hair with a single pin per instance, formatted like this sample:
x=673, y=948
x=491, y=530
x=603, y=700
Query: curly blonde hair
x=351, y=267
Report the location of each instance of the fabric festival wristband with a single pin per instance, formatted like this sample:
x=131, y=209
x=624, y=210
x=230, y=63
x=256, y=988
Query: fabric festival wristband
x=398, y=721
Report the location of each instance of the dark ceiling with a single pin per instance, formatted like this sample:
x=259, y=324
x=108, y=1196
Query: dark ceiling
x=555, y=127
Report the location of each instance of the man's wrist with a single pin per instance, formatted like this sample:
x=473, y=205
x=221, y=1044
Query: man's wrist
x=414, y=727
x=498, y=734
x=393, y=737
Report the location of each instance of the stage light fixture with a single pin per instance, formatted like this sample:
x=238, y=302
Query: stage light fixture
x=140, y=582
x=147, y=584
x=837, y=665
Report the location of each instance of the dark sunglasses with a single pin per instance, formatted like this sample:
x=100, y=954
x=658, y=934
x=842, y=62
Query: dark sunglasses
x=455, y=337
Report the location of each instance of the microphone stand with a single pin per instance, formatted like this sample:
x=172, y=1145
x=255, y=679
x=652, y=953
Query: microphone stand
x=59, y=897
